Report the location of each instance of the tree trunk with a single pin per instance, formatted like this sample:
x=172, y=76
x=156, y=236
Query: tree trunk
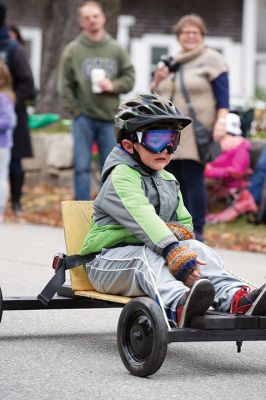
x=59, y=28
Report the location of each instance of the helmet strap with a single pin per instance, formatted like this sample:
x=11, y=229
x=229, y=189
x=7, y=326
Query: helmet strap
x=136, y=157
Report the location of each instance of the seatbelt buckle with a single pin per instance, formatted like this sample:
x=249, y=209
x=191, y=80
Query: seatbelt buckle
x=58, y=261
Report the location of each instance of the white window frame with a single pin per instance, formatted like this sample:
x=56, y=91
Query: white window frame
x=34, y=35
x=141, y=56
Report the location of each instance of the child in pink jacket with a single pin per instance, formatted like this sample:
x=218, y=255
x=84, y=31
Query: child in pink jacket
x=228, y=173
x=233, y=164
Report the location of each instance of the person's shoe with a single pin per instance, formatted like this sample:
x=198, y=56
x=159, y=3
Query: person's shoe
x=245, y=203
x=247, y=302
x=17, y=208
x=195, y=302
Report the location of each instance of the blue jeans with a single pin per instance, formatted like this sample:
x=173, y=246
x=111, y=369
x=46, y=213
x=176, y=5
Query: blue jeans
x=190, y=176
x=87, y=130
x=256, y=182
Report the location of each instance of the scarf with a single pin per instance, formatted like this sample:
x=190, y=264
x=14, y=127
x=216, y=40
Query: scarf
x=185, y=56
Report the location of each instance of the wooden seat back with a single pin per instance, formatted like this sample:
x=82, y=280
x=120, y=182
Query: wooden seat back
x=77, y=217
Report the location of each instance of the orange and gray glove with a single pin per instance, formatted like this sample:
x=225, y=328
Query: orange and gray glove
x=180, y=231
x=181, y=261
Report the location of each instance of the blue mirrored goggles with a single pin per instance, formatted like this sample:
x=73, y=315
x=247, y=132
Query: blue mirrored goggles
x=157, y=140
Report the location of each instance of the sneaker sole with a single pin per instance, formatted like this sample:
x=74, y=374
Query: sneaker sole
x=259, y=305
x=199, y=300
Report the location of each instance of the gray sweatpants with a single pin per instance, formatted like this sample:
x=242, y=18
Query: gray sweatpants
x=135, y=270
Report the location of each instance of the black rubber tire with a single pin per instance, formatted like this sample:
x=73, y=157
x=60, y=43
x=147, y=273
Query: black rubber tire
x=142, y=336
x=1, y=304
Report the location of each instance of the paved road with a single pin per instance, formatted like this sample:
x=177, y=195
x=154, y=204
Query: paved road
x=64, y=354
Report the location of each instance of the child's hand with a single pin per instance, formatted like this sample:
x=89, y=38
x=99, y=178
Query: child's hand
x=194, y=275
x=200, y=261
x=161, y=73
x=181, y=262
x=192, y=278
x=106, y=85
x=219, y=130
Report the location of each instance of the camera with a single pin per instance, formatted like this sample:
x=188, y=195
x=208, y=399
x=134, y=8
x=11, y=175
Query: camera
x=170, y=62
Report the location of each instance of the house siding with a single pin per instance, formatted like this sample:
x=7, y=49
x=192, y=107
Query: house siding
x=152, y=16
x=25, y=12
x=157, y=16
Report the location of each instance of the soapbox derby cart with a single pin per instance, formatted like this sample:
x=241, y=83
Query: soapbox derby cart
x=144, y=329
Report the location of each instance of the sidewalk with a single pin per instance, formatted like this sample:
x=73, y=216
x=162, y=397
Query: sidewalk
x=32, y=247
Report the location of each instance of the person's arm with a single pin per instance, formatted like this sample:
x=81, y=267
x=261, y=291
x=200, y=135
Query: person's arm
x=218, y=167
x=182, y=262
x=220, y=87
x=215, y=171
x=66, y=85
x=238, y=167
x=127, y=202
x=240, y=162
x=182, y=214
x=22, y=76
x=161, y=73
x=125, y=199
x=7, y=114
x=126, y=76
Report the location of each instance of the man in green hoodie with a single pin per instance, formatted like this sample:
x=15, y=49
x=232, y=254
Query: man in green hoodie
x=92, y=104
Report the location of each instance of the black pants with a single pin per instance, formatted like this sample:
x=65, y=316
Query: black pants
x=190, y=176
x=16, y=180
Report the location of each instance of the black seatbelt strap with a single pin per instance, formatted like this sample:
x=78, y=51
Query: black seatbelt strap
x=61, y=263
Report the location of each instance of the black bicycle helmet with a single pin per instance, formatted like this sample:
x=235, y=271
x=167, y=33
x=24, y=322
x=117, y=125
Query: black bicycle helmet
x=147, y=109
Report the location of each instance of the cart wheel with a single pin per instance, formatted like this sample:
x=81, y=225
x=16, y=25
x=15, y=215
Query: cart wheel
x=1, y=304
x=142, y=336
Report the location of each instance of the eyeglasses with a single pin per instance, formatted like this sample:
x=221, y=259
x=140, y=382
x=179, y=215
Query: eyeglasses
x=191, y=33
x=157, y=140
x=90, y=17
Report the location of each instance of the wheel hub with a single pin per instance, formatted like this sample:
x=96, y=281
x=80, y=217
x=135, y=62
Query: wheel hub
x=141, y=336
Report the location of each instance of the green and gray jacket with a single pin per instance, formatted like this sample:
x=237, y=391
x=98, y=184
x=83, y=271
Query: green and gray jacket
x=133, y=207
x=74, y=84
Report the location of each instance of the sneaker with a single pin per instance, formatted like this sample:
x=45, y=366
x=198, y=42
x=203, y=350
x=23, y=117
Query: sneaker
x=195, y=302
x=247, y=302
x=17, y=208
x=245, y=203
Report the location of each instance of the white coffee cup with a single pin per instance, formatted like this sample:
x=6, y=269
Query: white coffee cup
x=97, y=75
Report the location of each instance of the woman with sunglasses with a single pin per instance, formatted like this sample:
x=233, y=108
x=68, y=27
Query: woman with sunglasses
x=204, y=75
x=142, y=234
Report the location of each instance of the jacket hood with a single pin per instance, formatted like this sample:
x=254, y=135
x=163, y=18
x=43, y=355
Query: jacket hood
x=120, y=156
x=89, y=43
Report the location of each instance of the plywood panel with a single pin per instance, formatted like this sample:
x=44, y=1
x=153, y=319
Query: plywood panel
x=103, y=296
x=77, y=217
